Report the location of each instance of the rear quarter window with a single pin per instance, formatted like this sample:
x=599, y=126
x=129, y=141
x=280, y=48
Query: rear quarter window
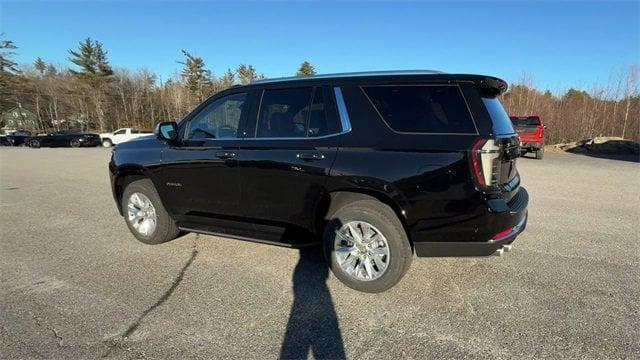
x=422, y=108
x=501, y=122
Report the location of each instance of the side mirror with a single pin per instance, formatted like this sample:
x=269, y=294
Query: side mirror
x=167, y=130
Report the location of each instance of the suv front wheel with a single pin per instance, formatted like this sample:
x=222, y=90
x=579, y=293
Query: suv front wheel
x=366, y=246
x=145, y=215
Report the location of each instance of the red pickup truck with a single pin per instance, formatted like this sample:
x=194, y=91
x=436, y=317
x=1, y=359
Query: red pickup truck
x=530, y=129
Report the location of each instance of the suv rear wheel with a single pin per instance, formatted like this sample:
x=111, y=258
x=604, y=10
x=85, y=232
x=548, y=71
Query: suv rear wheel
x=366, y=246
x=540, y=153
x=145, y=215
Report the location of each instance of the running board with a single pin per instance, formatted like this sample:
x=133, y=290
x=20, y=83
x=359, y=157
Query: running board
x=250, y=239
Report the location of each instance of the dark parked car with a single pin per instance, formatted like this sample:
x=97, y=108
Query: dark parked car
x=17, y=138
x=375, y=166
x=530, y=129
x=64, y=138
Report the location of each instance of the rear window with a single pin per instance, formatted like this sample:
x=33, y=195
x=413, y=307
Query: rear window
x=501, y=122
x=422, y=109
x=525, y=121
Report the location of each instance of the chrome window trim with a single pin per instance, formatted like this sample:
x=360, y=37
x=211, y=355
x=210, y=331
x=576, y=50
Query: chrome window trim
x=346, y=75
x=345, y=122
x=296, y=138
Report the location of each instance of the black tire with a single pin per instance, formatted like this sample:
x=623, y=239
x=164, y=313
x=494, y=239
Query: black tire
x=540, y=153
x=166, y=228
x=107, y=143
x=385, y=220
x=75, y=143
x=34, y=144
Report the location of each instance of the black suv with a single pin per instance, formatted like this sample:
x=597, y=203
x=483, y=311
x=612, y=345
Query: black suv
x=375, y=166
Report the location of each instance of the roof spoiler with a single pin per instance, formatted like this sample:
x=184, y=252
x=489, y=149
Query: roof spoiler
x=487, y=85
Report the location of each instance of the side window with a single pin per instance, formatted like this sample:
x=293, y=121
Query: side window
x=422, y=109
x=318, y=124
x=219, y=119
x=120, y=132
x=284, y=112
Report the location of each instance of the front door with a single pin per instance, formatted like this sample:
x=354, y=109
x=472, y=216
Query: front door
x=200, y=175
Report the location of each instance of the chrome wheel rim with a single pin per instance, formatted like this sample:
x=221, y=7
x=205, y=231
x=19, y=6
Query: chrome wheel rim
x=141, y=214
x=361, y=250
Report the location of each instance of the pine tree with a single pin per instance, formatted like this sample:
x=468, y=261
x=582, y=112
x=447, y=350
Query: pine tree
x=306, y=69
x=40, y=65
x=196, y=77
x=92, y=60
x=247, y=74
x=7, y=65
x=228, y=79
x=95, y=72
x=104, y=69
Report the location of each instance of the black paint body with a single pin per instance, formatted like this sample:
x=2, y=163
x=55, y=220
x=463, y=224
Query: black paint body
x=266, y=192
x=65, y=139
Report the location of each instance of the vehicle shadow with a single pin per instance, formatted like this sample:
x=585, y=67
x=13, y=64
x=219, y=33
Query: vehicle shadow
x=627, y=155
x=313, y=324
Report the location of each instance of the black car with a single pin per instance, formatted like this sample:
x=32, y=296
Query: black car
x=17, y=138
x=64, y=138
x=375, y=166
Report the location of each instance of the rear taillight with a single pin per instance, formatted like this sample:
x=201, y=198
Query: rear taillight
x=475, y=161
x=484, y=162
x=502, y=234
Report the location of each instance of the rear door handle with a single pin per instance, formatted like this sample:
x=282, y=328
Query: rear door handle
x=225, y=154
x=310, y=156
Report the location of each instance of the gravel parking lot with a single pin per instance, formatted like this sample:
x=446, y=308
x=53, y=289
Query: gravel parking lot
x=75, y=284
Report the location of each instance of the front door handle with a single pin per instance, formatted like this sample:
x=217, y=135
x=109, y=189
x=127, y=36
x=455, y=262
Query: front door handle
x=310, y=156
x=225, y=154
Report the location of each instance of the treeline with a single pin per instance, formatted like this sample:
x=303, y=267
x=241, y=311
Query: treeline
x=92, y=95
x=609, y=109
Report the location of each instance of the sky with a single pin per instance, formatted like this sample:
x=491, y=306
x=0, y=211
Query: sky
x=557, y=44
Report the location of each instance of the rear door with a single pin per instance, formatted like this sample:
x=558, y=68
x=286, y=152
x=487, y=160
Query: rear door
x=284, y=161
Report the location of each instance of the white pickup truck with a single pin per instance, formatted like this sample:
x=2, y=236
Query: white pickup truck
x=122, y=135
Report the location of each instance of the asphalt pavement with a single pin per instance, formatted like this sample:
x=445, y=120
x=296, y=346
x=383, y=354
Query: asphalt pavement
x=75, y=284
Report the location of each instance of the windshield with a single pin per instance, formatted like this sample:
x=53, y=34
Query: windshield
x=501, y=123
x=525, y=121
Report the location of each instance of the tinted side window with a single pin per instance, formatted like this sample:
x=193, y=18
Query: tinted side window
x=318, y=122
x=219, y=119
x=284, y=112
x=501, y=123
x=120, y=132
x=422, y=109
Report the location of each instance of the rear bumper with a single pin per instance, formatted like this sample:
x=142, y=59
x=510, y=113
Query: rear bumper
x=505, y=225
x=529, y=146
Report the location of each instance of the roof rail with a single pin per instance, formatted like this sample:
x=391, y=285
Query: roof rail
x=350, y=74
